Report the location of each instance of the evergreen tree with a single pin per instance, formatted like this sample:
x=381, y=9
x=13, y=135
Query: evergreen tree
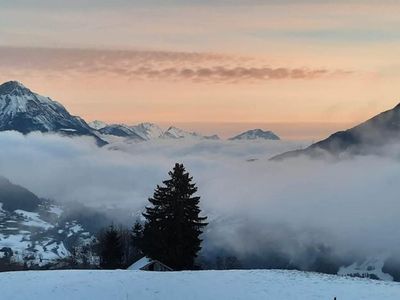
x=137, y=240
x=137, y=235
x=110, y=249
x=173, y=225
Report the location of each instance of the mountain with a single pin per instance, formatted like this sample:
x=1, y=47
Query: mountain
x=25, y=111
x=255, y=134
x=14, y=197
x=121, y=130
x=145, y=132
x=97, y=125
x=140, y=132
x=366, y=138
x=177, y=133
x=35, y=231
x=148, y=131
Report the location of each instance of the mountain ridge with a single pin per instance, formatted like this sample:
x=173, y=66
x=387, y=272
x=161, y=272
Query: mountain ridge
x=25, y=111
x=365, y=138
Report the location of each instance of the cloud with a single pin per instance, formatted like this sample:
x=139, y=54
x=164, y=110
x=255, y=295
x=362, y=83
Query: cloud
x=224, y=74
x=152, y=65
x=291, y=213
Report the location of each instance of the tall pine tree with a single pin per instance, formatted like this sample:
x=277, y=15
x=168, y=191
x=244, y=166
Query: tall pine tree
x=110, y=249
x=173, y=225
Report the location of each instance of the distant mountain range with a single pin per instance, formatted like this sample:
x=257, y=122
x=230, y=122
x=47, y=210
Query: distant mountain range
x=25, y=111
x=367, y=138
x=146, y=132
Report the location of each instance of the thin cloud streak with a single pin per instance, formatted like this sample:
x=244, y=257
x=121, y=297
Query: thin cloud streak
x=153, y=65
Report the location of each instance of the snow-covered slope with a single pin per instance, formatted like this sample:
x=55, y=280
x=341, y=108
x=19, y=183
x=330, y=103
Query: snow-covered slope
x=177, y=133
x=34, y=231
x=148, y=131
x=97, y=125
x=200, y=285
x=256, y=134
x=121, y=130
x=139, y=132
x=25, y=111
x=370, y=268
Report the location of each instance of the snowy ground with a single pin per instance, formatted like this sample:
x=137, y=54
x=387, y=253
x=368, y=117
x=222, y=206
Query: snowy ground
x=253, y=284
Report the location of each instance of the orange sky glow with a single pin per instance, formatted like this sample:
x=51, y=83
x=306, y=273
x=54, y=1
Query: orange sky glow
x=302, y=69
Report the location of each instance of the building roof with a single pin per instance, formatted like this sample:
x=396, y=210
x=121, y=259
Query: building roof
x=145, y=261
x=141, y=263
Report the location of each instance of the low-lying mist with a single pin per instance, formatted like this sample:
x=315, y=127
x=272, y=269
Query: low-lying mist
x=293, y=213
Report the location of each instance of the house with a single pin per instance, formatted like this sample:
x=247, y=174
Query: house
x=147, y=264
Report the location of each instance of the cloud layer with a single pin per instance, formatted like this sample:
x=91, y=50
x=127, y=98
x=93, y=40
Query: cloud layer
x=299, y=209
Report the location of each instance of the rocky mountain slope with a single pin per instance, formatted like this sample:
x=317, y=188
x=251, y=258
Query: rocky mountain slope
x=367, y=138
x=25, y=111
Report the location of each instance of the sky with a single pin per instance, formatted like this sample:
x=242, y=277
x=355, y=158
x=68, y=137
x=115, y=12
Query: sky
x=302, y=68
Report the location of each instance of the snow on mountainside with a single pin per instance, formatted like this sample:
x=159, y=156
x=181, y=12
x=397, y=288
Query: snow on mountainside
x=140, y=132
x=25, y=111
x=34, y=231
x=97, y=125
x=256, y=134
x=148, y=131
x=370, y=268
x=177, y=133
x=144, y=132
x=121, y=130
x=197, y=285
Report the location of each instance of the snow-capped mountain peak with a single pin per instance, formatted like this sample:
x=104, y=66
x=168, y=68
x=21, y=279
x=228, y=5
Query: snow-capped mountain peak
x=26, y=111
x=97, y=125
x=16, y=98
x=256, y=134
x=14, y=88
x=177, y=133
x=148, y=131
x=120, y=130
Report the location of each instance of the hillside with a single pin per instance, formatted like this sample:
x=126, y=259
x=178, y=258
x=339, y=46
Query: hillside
x=34, y=231
x=369, y=137
x=246, y=285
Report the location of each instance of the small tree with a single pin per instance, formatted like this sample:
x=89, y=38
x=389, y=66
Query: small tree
x=173, y=225
x=110, y=249
x=137, y=236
